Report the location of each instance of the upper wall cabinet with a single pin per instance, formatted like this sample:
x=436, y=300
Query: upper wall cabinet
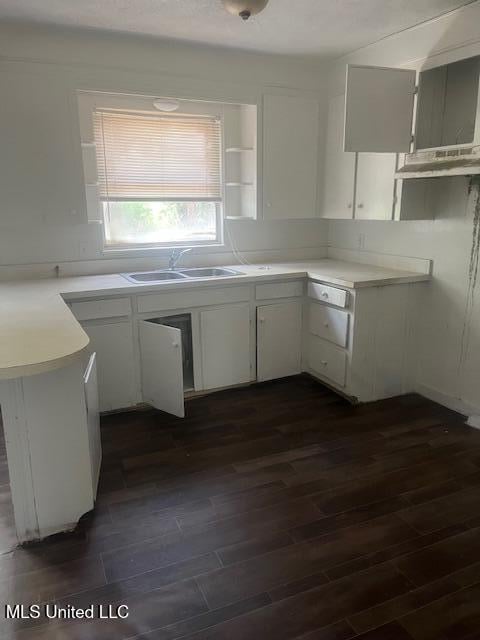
x=339, y=182
x=290, y=157
x=357, y=186
x=375, y=186
x=379, y=109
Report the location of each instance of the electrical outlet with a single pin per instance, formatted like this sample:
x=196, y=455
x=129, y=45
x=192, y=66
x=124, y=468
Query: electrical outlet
x=361, y=241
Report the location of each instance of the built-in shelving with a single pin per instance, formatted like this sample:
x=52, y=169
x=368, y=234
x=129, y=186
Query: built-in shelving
x=241, y=162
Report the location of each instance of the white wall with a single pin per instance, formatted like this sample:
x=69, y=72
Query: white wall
x=42, y=204
x=448, y=328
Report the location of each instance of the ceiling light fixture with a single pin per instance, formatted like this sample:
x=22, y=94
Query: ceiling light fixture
x=166, y=104
x=244, y=8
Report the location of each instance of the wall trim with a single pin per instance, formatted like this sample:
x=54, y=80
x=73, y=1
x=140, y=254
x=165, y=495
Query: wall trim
x=456, y=404
x=474, y=421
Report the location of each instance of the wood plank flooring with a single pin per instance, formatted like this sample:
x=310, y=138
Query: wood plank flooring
x=276, y=511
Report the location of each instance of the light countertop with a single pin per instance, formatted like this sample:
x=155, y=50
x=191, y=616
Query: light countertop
x=39, y=333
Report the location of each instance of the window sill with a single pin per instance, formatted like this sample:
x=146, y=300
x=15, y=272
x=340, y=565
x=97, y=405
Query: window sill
x=132, y=252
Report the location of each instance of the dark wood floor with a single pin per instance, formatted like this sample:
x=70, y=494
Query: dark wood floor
x=271, y=512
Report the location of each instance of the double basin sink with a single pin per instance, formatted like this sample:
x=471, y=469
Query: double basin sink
x=181, y=274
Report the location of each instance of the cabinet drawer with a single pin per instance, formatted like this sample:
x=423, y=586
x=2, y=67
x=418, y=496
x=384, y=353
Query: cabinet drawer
x=327, y=360
x=274, y=290
x=94, y=309
x=329, y=323
x=325, y=293
x=191, y=298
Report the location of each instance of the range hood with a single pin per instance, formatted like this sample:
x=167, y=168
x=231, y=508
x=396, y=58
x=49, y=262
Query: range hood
x=437, y=164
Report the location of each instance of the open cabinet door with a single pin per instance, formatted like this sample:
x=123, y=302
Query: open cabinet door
x=379, y=109
x=161, y=367
x=93, y=419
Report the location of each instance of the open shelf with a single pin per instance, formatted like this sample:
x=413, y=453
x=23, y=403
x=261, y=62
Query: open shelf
x=238, y=149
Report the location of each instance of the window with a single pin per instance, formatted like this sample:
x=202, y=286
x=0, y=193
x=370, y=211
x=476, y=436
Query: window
x=159, y=178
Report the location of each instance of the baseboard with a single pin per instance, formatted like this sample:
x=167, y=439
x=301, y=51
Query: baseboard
x=474, y=421
x=456, y=404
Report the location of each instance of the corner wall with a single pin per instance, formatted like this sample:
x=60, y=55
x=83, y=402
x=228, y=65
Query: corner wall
x=447, y=331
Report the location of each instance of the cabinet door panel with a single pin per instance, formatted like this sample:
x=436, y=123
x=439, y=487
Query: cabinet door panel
x=162, y=367
x=338, y=188
x=113, y=344
x=379, y=109
x=290, y=157
x=225, y=339
x=375, y=186
x=93, y=420
x=279, y=338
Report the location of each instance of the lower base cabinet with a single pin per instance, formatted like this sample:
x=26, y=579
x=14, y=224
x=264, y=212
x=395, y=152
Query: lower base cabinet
x=279, y=340
x=355, y=340
x=225, y=345
x=53, y=448
x=113, y=344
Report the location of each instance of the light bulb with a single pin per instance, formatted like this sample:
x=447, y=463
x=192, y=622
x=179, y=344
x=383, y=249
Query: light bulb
x=166, y=104
x=244, y=8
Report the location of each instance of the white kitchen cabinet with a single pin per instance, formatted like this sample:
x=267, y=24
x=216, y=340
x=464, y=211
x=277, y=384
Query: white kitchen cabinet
x=93, y=419
x=356, y=185
x=290, y=157
x=225, y=344
x=379, y=109
x=52, y=440
x=279, y=340
x=339, y=180
x=364, y=134
x=363, y=349
x=161, y=366
x=375, y=186
x=113, y=344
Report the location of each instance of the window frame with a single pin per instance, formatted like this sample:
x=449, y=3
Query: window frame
x=88, y=102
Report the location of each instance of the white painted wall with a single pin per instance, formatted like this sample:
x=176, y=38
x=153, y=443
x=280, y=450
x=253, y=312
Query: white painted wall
x=42, y=203
x=448, y=328
x=42, y=208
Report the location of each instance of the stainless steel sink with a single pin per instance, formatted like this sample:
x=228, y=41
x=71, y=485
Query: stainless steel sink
x=182, y=274
x=210, y=272
x=154, y=276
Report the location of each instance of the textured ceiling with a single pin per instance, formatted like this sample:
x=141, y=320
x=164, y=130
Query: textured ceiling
x=294, y=27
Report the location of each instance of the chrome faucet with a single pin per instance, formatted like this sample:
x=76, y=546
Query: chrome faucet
x=175, y=256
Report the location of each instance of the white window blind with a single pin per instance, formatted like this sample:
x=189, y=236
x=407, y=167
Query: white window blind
x=161, y=158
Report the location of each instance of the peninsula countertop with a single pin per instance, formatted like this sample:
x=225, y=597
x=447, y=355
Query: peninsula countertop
x=39, y=333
